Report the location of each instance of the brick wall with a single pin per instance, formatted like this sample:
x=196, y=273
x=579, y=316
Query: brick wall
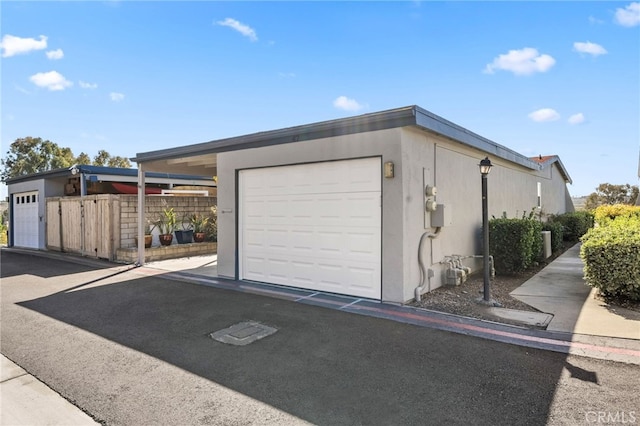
x=154, y=205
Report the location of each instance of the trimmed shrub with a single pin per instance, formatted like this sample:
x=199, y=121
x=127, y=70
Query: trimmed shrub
x=515, y=244
x=606, y=213
x=611, y=255
x=556, y=229
x=575, y=224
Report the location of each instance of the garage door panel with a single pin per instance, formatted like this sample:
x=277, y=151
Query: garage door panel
x=26, y=219
x=313, y=226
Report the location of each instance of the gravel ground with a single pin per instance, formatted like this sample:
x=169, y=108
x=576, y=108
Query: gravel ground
x=463, y=299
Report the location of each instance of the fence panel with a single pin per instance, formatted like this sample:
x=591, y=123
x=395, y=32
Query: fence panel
x=71, y=222
x=53, y=224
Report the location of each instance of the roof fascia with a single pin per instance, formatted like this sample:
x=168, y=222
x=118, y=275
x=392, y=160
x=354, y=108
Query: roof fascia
x=437, y=124
x=363, y=123
x=113, y=173
x=563, y=170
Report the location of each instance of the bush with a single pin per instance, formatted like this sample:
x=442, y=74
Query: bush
x=515, y=244
x=211, y=227
x=3, y=234
x=557, y=237
x=606, y=213
x=611, y=255
x=575, y=224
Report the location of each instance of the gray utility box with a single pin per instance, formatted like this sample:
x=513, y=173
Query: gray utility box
x=441, y=216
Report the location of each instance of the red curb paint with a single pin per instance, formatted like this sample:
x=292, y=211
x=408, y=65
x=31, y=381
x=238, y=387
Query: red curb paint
x=515, y=336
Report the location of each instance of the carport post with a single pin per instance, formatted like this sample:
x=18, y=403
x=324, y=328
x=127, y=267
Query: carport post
x=141, y=223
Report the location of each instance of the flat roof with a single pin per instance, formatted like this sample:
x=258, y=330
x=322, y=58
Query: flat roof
x=400, y=117
x=107, y=171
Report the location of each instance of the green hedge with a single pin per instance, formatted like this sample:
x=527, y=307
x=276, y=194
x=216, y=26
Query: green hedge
x=606, y=213
x=515, y=244
x=611, y=255
x=557, y=235
x=574, y=224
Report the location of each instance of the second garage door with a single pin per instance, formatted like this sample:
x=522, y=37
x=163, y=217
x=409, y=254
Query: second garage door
x=314, y=226
x=26, y=219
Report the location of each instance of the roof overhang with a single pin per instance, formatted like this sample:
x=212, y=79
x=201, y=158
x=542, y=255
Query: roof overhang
x=200, y=158
x=116, y=174
x=548, y=160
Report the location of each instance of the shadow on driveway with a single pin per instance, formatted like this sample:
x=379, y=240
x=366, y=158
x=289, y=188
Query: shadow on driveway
x=323, y=366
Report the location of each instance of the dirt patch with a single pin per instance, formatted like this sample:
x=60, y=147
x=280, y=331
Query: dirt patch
x=463, y=299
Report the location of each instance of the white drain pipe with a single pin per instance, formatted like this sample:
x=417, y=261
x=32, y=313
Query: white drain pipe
x=425, y=274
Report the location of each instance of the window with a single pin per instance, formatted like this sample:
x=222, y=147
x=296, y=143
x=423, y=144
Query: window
x=539, y=195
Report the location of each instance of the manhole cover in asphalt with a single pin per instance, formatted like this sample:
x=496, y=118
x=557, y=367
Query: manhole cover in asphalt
x=243, y=333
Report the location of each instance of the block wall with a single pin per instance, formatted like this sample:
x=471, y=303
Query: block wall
x=154, y=205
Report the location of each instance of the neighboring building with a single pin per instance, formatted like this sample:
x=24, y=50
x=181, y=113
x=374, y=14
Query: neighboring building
x=339, y=206
x=27, y=194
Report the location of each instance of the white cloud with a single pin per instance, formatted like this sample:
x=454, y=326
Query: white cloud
x=243, y=29
x=629, y=16
x=86, y=85
x=521, y=62
x=544, y=114
x=116, y=97
x=286, y=75
x=55, y=54
x=576, y=118
x=593, y=20
x=590, y=48
x=347, y=104
x=51, y=80
x=12, y=45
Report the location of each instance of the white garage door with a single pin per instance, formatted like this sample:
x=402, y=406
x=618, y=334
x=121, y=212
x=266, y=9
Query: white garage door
x=26, y=219
x=314, y=226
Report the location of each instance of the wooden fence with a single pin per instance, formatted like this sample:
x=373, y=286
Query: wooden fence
x=87, y=225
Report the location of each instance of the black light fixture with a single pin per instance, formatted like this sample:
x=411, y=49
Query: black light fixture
x=485, y=167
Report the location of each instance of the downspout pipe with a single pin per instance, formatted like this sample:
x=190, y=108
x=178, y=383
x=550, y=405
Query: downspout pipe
x=425, y=278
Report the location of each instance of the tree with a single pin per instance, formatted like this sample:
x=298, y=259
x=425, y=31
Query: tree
x=33, y=155
x=103, y=158
x=83, y=159
x=607, y=193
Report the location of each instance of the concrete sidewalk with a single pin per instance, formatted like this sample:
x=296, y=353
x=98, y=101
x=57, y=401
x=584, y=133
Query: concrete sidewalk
x=560, y=290
x=24, y=400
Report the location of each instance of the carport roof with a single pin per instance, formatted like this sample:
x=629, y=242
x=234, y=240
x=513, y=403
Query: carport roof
x=109, y=171
x=202, y=155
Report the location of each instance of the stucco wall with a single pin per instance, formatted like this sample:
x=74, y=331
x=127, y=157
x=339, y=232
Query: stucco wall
x=420, y=158
x=385, y=144
x=453, y=169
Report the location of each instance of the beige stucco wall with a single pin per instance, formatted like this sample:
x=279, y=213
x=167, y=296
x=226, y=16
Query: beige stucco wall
x=383, y=143
x=453, y=169
x=420, y=157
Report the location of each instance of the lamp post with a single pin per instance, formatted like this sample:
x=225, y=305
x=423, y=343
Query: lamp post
x=485, y=168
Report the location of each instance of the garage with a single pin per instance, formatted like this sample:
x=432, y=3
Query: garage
x=315, y=226
x=26, y=219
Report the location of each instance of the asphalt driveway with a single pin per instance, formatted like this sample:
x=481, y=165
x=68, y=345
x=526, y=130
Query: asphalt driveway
x=130, y=349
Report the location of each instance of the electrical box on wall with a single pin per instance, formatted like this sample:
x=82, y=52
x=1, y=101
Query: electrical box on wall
x=441, y=216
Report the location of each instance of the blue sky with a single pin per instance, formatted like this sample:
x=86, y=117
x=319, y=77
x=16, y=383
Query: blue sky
x=538, y=77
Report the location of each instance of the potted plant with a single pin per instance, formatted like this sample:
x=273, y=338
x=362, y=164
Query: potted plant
x=148, y=237
x=199, y=224
x=185, y=235
x=166, y=224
